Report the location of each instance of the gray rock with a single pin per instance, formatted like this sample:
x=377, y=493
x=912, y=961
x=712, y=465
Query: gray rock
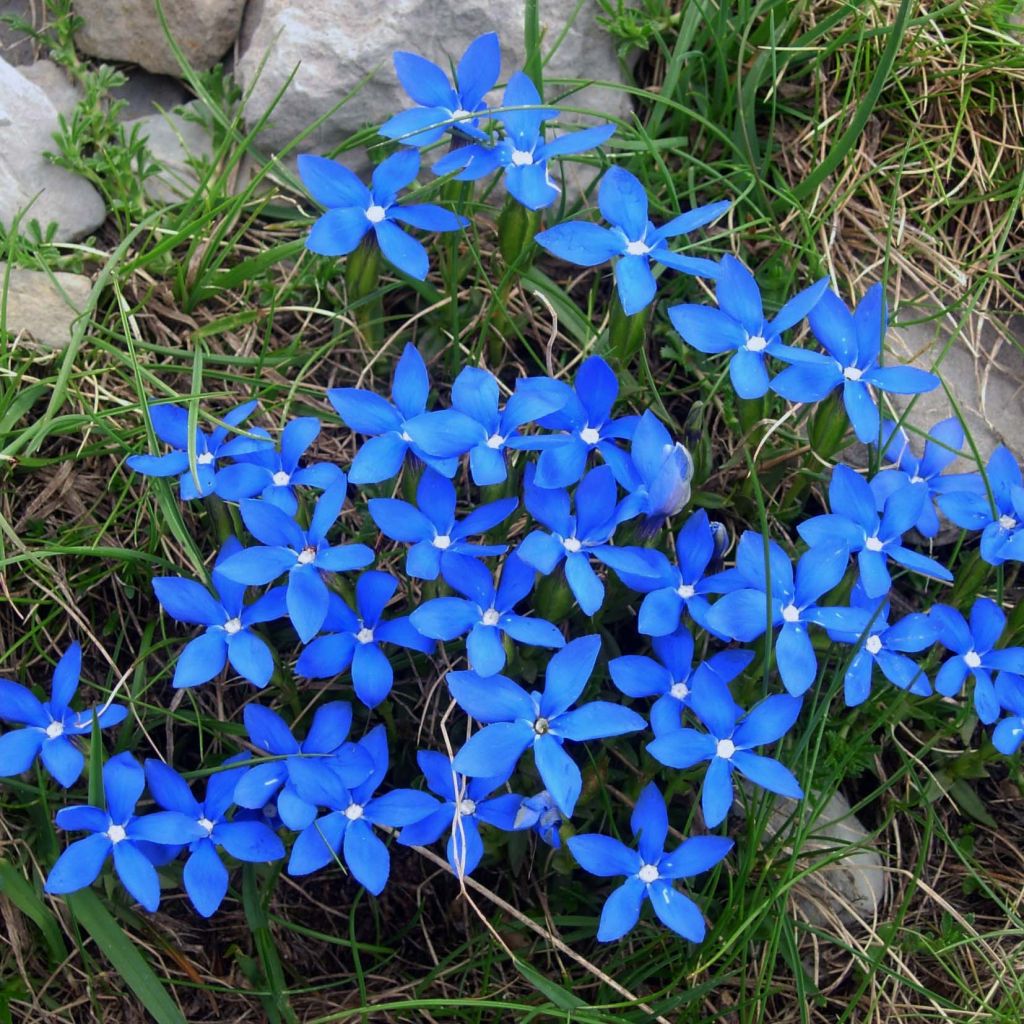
x=335, y=44
x=16, y=47
x=59, y=89
x=146, y=93
x=27, y=180
x=43, y=306
x=130, y=31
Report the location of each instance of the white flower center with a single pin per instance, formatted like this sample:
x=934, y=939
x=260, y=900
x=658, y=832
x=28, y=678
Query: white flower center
x=874, y=544
x=725, y=748
x=541, y=726
x=365, y=635
x=873, y=644
x=915, y=479
x=680, y=691
x=686, y=591
x=852, y=373
x=495, y=441
x=116, y=833
x=405, y=436
x=1007, y=522
x=206, y=825
x=637, y=248
x=972, y=659
x=442, y=542
x=232, y=626
x=791, y=613
x=375, y=214
x=55, y=729
x=571, y=544
x=467, y=807
x=204, y=459
x=354, y=812
x=461, y=113
x=648, y=873
x=306, y=555
x=521, y=158
x=281, y=478
x=755, y=343
x=491, y=617
x=590, y=435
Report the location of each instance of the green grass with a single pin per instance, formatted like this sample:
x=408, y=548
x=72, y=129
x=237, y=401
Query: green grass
x=864, y=141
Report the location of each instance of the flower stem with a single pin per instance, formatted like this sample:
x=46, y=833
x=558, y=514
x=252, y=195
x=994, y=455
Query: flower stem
x=362, y=277
x=626, y=334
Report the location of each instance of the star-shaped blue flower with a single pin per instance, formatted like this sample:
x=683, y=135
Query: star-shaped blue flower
x=50, y=726
x=540, y=814
x=649, y=870
x=1009, y=733
x=632, y=240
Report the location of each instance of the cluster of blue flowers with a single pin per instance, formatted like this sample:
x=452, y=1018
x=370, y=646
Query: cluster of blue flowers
x=587, y=493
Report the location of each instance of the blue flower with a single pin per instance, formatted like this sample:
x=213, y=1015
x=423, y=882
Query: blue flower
x=854, y=346
x=347, y=829
x=586, y=419
x=576, y=539
x=228, y=621
x=522, y=153
x=299, y=772
x=885, y=646
x=649, y=870
x=763, y=594
x=354, y=638
x=48, y=727
x=486, y=613
x=205, y=875
x=1009, y=733
x=739, y=326
x=672, y=678
x=475, y=393
x=467, y=802
x=515, y=721
x=443, y=107
x=974, y=654
x=353, y=210
x=274, y=475
x=402, y=426
x=632, y=240
x=1000, y=517
x=170, y=424
x=540, y=814
x=303, y=554
x=117, y=831
x=728, y=746
x=439, y=541
x=875, y=538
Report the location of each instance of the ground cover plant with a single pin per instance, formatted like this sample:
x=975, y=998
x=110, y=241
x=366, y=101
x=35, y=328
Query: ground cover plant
x=414, y=587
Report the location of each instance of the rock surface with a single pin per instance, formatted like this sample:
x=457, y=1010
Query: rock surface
x=130, y=30
x=338, y=43
x=27, y=122
x=59, y=89
x=42, y=306
x=146, y=93
x=17, y=47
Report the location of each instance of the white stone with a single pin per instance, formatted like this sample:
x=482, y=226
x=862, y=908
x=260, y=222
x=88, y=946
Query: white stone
x=59, y=89
x=17, y=47
x=28, y=181
x=130, y=31
x=41, y=306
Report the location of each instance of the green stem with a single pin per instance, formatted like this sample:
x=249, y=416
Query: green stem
x=626, y=334
x=362, y=276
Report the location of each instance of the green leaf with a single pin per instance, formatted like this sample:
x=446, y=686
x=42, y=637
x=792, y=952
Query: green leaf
x=24, y=896
x=560, y=997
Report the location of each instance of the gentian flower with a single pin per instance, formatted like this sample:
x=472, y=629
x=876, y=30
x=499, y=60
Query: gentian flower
x=540, y=813
x=118, y=831
x=205, y=874
x=632, y=240
x=475, y=394
x=757, y=602
x=586, y=419
x=874, y=538
x=170, y=424
x=302, y=770
x=347, y=828
x=649, y=870
x=1002, y=536
x=515, y=721
x=1008, y=734
x=576, y=539
x=399, y=427
x=438, y=539
x=657, y=475
x=523, y=153
x=485, y=613
x=274, y=475
x=353, y=210
x=974, y=654
x=303, y=554
x=739, y=326
x=854, y=345
x=467, y=802
x=728, y=746
x=354, y=638
x=442, y=106
x=228, y=621
x=673, y=677
x=48, y=727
